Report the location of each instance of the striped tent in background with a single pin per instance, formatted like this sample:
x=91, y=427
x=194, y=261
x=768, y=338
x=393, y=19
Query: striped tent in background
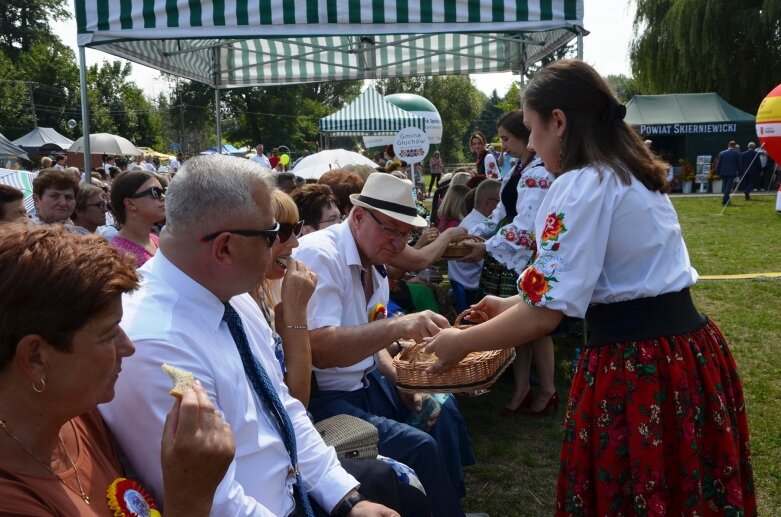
x=369, y=114
x=21, y=180
x=236, y=43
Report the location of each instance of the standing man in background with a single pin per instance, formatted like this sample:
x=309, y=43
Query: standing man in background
x=261, y=158
x=750, y=164
x=728, y=167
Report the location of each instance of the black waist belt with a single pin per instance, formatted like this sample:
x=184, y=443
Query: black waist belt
x=668, y=314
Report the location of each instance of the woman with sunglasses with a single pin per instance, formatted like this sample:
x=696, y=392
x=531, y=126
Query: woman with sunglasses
x=283, y=297
x=138, y=202
x=90, y=212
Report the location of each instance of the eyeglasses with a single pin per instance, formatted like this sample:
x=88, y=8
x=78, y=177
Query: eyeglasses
x=102, y=205
x=288, y=229
x=270, y=235
x=155, y=192
x=390, y=232
x=331, y=220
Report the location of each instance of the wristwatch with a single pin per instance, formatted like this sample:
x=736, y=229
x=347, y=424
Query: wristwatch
x=348, y=503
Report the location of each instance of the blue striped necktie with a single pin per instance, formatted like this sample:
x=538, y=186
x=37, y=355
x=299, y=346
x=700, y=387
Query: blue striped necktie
x=261, y=383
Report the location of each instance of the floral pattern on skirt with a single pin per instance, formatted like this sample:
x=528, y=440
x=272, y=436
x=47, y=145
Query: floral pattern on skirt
x=657, y=428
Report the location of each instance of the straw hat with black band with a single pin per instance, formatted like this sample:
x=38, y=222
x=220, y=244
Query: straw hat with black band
x=390, y=195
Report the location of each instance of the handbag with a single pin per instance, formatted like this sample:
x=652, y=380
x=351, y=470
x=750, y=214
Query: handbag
x=352, y=437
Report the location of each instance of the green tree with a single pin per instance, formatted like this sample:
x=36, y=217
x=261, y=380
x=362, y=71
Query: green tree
x=512, y=99
x=458, y=103
x=25, y=22
x=118, y=106
x=685, y=46
x=623, y=87
x=51, y=70
x=15, y=112
x=486, y=120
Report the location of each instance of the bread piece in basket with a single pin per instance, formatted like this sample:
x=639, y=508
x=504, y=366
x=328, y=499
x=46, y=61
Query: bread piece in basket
x=460, y=248
x=476, y=372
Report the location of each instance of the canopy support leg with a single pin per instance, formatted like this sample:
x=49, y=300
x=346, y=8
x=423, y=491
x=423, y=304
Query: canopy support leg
x=85, y=114
x=217, y=119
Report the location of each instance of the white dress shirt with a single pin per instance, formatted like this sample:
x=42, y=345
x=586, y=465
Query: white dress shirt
x=261, y=159
x=600, y=241
x=338, y=300
x=174, y=319
x=467, y=273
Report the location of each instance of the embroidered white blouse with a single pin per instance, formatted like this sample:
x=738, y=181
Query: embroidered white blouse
x=514, y=244
x=601, y=241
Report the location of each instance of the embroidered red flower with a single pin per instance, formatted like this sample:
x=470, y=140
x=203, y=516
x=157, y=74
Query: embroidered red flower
x=554, y=225
x=734, y=493
x=509, y=235
x=530, y=182
x=534, y=285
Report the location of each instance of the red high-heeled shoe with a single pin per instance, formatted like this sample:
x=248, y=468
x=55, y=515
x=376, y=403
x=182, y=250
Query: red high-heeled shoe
x=527, y=401
x=552, y=406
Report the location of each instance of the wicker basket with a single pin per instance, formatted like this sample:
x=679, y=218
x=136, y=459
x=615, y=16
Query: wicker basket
x=476, y=372
x=460, y=248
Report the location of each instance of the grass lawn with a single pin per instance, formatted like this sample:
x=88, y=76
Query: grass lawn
x=518, y=457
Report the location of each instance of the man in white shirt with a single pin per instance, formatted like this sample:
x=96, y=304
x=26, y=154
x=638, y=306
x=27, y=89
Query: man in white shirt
x=177, y=162
x=148, y=164
x=216, y=246
x=465, y=276
x=353, y=370
x=260, y=158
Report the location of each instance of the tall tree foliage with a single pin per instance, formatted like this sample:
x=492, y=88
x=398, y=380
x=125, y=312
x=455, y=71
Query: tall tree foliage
x=24, y=22
x=686, y=46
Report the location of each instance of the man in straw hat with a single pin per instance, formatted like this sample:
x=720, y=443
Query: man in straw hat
x=353, y=370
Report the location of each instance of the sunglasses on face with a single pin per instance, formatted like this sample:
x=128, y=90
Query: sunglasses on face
x=288, y=229
x=155, y=192
x=270, y=235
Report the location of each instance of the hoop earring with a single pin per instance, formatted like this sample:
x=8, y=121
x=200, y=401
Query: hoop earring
x=42, y=388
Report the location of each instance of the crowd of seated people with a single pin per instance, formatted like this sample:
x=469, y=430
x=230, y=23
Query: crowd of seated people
x=275, y=296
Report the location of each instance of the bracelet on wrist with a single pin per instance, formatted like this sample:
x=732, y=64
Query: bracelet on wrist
x=297, y=327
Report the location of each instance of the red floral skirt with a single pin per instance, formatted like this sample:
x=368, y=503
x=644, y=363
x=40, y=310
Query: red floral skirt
x=655, y=428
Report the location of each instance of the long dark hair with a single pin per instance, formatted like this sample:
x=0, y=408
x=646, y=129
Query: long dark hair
x=124, y=186
x=512, y=122
x=596, y=133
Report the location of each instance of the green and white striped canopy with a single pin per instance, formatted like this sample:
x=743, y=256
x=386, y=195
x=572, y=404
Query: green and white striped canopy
x=369, y=114
x=237, y=43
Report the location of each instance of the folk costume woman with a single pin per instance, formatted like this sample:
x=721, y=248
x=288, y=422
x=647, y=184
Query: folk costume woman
x=656, y=421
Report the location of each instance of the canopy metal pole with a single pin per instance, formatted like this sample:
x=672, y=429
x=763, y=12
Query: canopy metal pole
x=216, y=59
x=217, y=118
x=580, y=44
x=85, y=114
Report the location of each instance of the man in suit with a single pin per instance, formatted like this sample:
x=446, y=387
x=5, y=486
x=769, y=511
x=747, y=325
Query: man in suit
x=728, y=167
x=752, y=166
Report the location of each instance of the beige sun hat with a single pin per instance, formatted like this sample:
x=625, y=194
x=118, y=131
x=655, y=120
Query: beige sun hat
x=390, y=195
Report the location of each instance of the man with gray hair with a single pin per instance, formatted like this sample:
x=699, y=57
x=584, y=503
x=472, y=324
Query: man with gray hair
x=192, y=311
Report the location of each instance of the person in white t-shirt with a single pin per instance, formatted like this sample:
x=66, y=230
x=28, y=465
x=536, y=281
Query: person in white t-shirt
x=465, y=276
x=656, y=405
x=260, y=158
x=177, y=162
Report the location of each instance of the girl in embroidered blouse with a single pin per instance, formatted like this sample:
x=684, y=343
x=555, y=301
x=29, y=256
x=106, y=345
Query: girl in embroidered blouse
x=138, y=202
x=656, y=418
x=486, y=162
x=509, y=247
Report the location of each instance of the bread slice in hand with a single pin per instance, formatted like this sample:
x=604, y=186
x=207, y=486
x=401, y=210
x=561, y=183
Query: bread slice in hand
x=182, y=379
